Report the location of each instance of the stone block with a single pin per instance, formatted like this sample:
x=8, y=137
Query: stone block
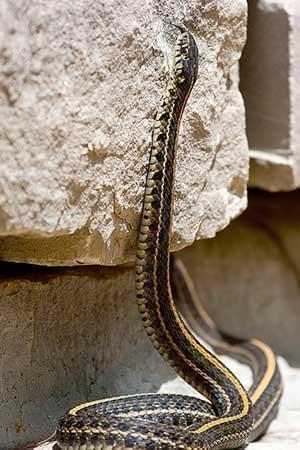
x=270, y=83
x=68, y=336
x=248, y=276
x=79, y=87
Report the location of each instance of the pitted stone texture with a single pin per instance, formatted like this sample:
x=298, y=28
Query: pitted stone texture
x=79, y=88
x=270, y=83
x=68, y=336
x=248, y=276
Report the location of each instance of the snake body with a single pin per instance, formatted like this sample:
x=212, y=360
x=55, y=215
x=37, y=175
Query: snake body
x=167, y=421
x=266, y=389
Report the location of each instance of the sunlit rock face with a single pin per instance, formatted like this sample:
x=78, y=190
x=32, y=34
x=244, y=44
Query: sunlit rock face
x=79, y=90
x=270, y=84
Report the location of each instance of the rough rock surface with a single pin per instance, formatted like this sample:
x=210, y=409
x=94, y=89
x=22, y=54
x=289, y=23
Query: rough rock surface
x=78, y=90
x=248, y=276
x=68, y=335
x=270, y=83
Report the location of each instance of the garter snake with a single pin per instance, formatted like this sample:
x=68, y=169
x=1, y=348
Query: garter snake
x=266, y=389
x=167, y=421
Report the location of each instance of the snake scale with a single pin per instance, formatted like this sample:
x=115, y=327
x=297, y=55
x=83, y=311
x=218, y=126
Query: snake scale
x=232, y=416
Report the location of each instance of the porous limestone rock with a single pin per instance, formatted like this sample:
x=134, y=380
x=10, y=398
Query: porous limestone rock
x=68, y=336
x=248, y=276
x=79, y=85
x=270, y=83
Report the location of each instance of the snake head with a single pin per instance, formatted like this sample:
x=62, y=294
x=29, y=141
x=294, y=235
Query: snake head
x=186, y=58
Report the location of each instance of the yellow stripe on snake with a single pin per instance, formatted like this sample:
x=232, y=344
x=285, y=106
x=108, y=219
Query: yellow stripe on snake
x=232, y=416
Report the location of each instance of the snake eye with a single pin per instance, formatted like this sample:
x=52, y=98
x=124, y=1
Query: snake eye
x=185, y=52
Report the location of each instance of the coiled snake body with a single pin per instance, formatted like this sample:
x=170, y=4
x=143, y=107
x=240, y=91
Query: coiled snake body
x=154, y=421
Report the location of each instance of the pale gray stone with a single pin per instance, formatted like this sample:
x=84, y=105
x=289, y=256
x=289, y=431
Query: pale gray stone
x=79, y=88
x=248, y=276
x=270, y=83
x=68, y=336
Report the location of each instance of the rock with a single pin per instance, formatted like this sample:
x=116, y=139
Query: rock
x=270, y=83
x=248, y=276
x=79, y=88
x=68, y=336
